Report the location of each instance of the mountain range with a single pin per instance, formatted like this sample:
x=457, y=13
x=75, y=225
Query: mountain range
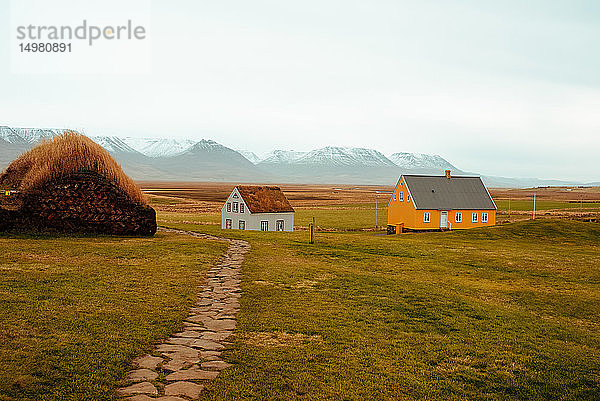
x=206, y=160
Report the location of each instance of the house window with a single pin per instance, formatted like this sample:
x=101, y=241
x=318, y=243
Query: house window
x=401, y=196
x=407, y=197
x=394, y=197
x=426, y=217
x=484, y=217
x=279, y=225
x=242, y=225
x=264, y=226
x=228, y=207
x=241, y=207
x=458, y=217
x=235, y=207
x=235, y=196
x=228, y=224
x=475, y=217
x=401, y=183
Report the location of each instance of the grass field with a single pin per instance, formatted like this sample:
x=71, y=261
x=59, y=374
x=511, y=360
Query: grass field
x=76, y=311
x=508, y=312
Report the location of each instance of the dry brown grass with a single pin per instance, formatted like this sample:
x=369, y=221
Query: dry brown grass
x=66, y=154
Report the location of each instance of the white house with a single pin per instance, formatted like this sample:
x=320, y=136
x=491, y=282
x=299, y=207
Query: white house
x=257, y=208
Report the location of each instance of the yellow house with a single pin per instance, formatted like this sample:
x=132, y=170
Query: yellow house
x=425, y=202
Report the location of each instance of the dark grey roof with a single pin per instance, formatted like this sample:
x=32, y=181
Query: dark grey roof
x=441, y=193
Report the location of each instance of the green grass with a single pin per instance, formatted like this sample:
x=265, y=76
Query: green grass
x=77, y=310
x=163, y=201
x=500, y=313
x=342, y=217
x=502, y=204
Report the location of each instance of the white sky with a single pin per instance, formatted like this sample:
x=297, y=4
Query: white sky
x=508, y=88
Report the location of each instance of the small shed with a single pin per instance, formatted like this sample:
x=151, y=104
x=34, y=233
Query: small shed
x=425, y=202
x=263, y=208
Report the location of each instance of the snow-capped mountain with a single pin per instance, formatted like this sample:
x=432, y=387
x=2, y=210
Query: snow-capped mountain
x=208, y=160
x=159, y=147
x=27, y=136
x=208, y=145
x=282, y=157
x=420, y=161
x=336, y=156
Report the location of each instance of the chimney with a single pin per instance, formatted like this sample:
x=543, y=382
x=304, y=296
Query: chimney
x=448, y=174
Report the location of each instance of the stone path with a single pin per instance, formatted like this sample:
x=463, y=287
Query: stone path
x=181, y=366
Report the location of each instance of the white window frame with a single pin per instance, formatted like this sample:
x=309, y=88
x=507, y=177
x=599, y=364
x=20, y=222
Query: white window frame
x=427, y=217
x=242, y=224
x=228, y=224
x=265, y=224
x=241, y=207
x=458, y=217
x=408, y=197
x=235, y=207
x=278, y=224
x=484, y=217
x=400, y=196
x=228, y=207
x=474, y=217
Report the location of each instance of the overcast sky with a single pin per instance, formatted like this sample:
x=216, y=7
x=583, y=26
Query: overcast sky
x=508, y=88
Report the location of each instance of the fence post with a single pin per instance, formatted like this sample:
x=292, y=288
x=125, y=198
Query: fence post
x=312, y=231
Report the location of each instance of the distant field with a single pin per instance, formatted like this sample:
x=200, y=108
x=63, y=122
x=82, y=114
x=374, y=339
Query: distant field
x=77, y=310
x=341, y=217
x=329, y=204
x=520, y=204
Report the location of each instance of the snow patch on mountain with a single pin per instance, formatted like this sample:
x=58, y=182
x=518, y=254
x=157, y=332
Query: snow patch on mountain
x=282, y=157
x=27, y=136
x=113, y=144
x=208, y=145
x=159, y=147
x=251, y=156
x=420, y=161
x=343, y=156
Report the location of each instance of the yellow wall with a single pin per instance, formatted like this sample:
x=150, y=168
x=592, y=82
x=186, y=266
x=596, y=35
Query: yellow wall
x=404, y=212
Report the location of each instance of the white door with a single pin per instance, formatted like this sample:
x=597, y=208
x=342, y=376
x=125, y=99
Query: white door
x=264, y=226
x=444, y=219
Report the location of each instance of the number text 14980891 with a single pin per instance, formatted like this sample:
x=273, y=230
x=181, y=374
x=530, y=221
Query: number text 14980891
x=42, y=47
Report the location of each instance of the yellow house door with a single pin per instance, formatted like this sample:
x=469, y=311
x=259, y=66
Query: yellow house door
x=444, y=219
